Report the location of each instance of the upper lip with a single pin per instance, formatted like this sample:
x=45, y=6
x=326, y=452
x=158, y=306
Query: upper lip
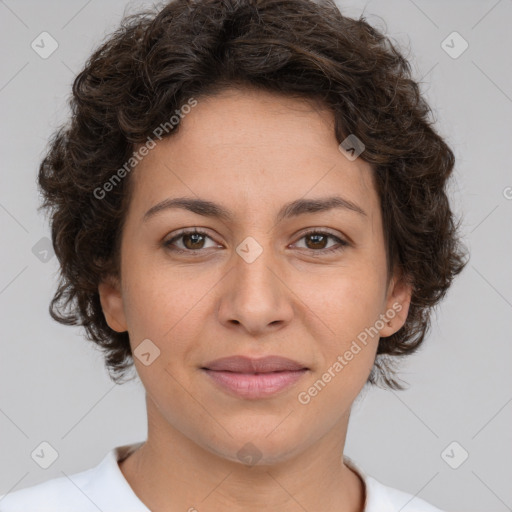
x=244, y=364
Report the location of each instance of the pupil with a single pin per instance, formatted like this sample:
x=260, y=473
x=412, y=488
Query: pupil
x=316, y=237
x=195, y=239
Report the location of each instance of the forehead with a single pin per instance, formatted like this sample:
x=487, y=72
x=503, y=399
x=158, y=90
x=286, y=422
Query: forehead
x=253, y=148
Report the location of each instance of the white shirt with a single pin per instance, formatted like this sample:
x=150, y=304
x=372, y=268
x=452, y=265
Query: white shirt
x=104, y=488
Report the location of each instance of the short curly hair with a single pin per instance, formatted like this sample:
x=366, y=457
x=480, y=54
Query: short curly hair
x=158, y=59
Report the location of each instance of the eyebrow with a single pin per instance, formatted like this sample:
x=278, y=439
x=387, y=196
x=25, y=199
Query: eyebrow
x=289, y=210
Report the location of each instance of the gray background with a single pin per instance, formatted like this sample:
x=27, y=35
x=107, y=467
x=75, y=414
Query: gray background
x=53, y=386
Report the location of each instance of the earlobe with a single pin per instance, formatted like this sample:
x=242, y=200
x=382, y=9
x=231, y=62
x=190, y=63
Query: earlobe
x=112, y=304
x=397, y=306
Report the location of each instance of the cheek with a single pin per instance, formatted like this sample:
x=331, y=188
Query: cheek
x=170, y=307
x=351, y=300
x=156, y=301
x=350, y=307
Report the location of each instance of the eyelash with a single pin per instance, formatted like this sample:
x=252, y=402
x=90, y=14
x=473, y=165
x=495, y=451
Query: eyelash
x=342, y=243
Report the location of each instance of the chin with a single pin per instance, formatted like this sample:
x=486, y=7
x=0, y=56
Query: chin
x=257, y=449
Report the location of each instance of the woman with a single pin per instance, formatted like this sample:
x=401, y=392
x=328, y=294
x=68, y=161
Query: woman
x=249, y=205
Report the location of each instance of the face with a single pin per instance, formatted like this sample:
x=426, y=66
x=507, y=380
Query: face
x=307, y=283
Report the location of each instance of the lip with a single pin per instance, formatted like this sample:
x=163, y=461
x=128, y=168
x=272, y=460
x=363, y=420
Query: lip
x=249, y=378
x=254, y=386
x=244, y=364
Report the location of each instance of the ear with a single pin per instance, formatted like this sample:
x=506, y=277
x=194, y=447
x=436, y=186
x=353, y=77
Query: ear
x=112, y=304
x=398, y=300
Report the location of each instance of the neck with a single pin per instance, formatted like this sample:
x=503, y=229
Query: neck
x=171, y=472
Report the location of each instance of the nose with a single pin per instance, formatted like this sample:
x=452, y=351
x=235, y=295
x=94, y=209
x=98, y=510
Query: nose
x=255, y=295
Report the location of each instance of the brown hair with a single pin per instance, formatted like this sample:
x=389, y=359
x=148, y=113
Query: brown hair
x=156, y=61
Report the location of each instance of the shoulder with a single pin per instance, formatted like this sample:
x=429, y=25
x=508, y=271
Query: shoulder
x=102, y=487
x=395, y=499
x=382, y=498
x=54, y=495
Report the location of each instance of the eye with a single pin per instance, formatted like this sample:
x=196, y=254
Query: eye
x=191, y=240
x=319, y=239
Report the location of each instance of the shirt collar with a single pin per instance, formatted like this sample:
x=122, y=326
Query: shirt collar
x=110, y=476
x=376, y=497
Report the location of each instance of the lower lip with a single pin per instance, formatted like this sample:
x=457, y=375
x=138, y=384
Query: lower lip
x=261, y=385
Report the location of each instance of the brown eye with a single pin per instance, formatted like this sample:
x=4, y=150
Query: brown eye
x=193, y=241
x=317, y=241
x=188, y=241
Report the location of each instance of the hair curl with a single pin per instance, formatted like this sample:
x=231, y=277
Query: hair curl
x=158, y=59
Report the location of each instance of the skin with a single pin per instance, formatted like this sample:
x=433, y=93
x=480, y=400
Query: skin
x=251, y=152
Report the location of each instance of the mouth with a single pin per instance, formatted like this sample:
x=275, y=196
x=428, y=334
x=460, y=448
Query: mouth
x=244, y=364
x=254, y=385
x=249, y=378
